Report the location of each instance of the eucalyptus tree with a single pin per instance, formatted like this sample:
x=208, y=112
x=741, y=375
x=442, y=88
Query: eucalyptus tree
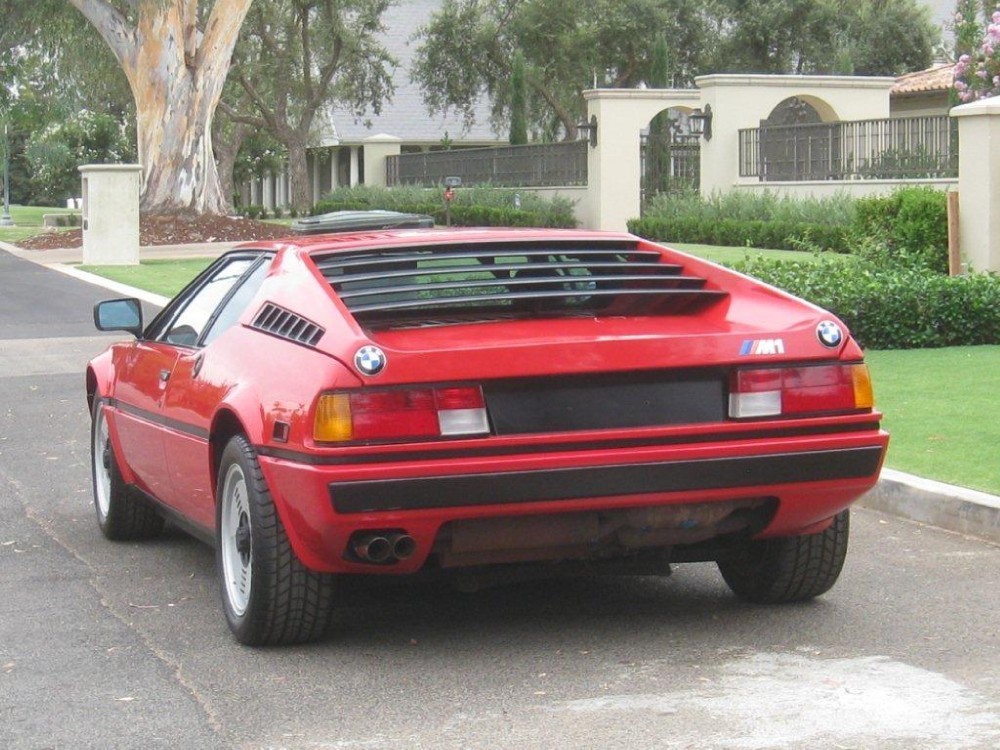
x=295, y=59
x=175, y=55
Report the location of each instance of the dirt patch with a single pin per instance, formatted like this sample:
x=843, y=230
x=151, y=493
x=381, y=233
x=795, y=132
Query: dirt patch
x=172, y=230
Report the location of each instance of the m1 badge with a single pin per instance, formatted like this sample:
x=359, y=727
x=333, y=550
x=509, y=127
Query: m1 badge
x=370, y=360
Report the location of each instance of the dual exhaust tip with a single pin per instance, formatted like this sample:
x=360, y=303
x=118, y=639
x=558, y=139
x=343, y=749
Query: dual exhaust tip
x=383, y=548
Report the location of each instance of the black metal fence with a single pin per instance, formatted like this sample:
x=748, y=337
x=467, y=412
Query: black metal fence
x=535, y=165
x=895, y=148
x=671, y=163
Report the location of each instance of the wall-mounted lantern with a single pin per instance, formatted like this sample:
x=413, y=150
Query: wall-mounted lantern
x=591, y=129
x=700, y=122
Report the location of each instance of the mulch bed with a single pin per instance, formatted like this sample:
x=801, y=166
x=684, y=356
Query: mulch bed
x=172, y=230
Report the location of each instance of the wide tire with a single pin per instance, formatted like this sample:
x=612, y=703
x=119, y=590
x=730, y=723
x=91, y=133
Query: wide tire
x=795, y=569
x=269, y=596
x=122, y=514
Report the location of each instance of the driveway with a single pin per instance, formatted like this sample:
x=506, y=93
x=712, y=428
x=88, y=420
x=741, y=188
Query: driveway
x=124, y=645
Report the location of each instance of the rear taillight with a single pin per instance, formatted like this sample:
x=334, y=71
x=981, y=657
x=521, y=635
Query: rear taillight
x=400, y=414
x=786, y=391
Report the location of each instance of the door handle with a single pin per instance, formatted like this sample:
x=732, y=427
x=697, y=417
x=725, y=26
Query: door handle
x=197, y=365
x=164, y=375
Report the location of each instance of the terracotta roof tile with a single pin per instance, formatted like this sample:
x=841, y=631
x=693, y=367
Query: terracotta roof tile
x=938, y=78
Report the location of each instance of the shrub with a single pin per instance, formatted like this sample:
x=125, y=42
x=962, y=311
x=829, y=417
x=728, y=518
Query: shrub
x=893, y=308
x=473, y=206
x=772, y=234
x=764, y=220
x=907, y=228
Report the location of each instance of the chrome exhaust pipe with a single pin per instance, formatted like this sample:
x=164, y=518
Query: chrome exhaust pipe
x=373, y=548
x=403, y=546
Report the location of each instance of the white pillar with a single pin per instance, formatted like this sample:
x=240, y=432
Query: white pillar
x=314, y=165
x=354, y=165
x=111, y=213
x=268, y=185
x=377, y=149
x=254, y=191
x=979, y=183
x=334, y=168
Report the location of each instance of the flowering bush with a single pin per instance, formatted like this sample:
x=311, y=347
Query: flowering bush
x=977, y=75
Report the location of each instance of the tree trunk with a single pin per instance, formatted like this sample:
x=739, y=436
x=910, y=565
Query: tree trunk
x=227, y=148
x=298, y=176
x=176, y=72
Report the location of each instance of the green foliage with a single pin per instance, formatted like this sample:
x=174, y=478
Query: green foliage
x=763, y=220
x=776, y=235
x=56, y=152
x=893, y=308
x=908, y=228
x=477, y=206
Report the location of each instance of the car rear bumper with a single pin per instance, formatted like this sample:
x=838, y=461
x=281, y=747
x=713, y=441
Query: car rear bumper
x=323, y=502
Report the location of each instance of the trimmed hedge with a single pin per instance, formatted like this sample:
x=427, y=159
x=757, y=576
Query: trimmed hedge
x=474, y=206
x=908, y=227
x=774, y=235
x=904, y=308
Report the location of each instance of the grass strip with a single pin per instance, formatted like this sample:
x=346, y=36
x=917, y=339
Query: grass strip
x=939, y=406
x=166, y=277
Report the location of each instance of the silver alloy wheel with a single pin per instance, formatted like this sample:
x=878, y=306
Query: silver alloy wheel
x=102, y=458
x=235, y=541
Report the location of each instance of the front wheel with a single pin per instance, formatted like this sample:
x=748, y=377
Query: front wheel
x=776, y=571
x=268, y=595
x=121, y=515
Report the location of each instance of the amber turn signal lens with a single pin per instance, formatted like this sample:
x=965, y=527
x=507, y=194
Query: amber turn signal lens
x=864, y=396
x=333, y=418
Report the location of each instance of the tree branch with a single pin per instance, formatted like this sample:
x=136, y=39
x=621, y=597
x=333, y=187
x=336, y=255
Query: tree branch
x=111, y=25
x=255, y=122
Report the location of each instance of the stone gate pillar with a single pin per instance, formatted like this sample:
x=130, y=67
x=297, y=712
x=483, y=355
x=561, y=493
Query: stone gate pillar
x=979, y=183
x=614, y=171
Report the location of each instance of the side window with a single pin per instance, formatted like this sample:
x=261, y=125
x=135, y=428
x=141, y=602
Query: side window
x=187, y=327
x=236, y=304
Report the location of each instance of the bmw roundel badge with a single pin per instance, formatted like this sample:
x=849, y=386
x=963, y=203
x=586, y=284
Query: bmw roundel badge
x=370, y=360
x=829, y=334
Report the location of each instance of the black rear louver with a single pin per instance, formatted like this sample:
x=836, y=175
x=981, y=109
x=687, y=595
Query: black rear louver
x=458, y=283
x=287, y=325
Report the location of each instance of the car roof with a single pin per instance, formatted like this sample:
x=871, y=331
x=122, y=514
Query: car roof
x=332, y=243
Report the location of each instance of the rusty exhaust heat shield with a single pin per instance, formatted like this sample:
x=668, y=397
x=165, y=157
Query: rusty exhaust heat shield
x=574, y=536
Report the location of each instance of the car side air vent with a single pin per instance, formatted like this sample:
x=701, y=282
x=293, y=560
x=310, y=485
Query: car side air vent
x=287, y=325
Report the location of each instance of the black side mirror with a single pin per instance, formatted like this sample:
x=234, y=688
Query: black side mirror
x=119, y=315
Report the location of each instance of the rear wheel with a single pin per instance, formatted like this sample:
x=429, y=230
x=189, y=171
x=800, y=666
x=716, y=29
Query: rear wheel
x=268, y=595
x=794, y=569
x=121, y=515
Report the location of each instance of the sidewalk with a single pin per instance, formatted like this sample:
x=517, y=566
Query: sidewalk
x=926, y=501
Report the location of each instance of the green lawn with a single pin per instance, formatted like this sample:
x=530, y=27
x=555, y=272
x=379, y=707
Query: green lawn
x=727, y=255
x=166, y=277
x=27, y=222
x=939, y=405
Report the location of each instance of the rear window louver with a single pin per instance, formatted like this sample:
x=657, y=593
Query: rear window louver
x=287, y=325
x=421, y=286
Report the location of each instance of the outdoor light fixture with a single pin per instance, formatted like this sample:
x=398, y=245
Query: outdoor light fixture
x=591, y=129
x=700, y=122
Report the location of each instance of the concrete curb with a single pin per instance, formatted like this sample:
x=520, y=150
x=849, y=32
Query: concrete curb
x=923, y=500
x=938, y=504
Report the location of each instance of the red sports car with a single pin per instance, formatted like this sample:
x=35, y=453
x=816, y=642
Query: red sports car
x=476, y=400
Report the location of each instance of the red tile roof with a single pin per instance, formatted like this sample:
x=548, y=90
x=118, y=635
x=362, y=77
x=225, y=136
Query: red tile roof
x=938, y=78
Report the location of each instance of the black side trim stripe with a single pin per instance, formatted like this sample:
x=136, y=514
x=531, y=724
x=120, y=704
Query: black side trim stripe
x=602, y=481
x=490, y=450
x=158, y=419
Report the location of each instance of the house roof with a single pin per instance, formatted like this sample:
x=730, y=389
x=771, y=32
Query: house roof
x=936, y=79
x=405, y=115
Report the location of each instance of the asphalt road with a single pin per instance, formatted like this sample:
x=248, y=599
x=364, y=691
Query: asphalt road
x=124, y=645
